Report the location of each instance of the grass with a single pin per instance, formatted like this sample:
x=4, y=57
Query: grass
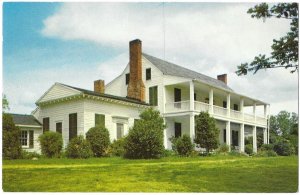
x=170, y=174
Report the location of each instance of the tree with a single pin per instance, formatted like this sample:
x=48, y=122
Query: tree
x=11, y=147
x=285, y=50
x=99, y=139
x=206, y=132
x=145, y=139
x=284, y=123
x=51, y=144
x=5, y=103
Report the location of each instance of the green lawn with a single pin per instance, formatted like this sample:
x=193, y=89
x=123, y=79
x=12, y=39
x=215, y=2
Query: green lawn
x=172, y=174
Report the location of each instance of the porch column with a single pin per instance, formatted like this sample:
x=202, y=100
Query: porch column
x=211, y=101
x=254, y=139
x=254, y=111
x=165, y=135
x=192, y=126
x=265, y=111
x=242, y=137
x=242, y=107
x=228, y=134
x=191, y=95
x=265, y=135
x=228, y=105
x=164, y=98
x=268, y=131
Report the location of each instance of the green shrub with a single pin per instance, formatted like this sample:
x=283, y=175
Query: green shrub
x=11, y=147
x=99, y=139
x=223, y=148
x=145, y=139
x=183, y=146
x=30, y=155
x=51, y=144
x=78, y=147
x=249, y=149
x=283, y=148
x=266, y=153
x=266, y=147
x=168, y=153
x=117, y=147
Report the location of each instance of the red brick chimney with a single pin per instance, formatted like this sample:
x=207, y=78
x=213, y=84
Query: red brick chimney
x=223, y=77
x=136, y=87
x=99, y=86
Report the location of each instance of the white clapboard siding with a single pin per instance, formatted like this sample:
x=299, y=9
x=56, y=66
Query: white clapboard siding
x=58, y=91
x=60, y=113
x=110, y=110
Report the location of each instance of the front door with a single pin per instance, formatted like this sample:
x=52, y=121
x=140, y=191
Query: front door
x=235, y=138
x=177, y=98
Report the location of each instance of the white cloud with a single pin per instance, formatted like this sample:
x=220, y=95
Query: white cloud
x=209, y=38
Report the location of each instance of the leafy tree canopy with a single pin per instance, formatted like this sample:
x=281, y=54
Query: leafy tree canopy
x=284, y=123
x=5, y=103
x=285, y=50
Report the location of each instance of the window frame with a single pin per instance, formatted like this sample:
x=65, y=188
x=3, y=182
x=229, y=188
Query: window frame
x=148, y=74
x=24, y=139
x=122, y=130
x=99, y=115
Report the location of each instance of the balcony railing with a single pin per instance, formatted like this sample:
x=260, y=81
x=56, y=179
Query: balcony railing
x=183, y=106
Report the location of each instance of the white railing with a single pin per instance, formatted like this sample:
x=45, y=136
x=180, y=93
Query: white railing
x=201, y=106
x=178, y=106
x=249, y=117
x=220, y=111
x=236, y=114
x=173, y=107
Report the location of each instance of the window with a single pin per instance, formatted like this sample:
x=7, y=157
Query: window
x=235, y=107
x=224, y=135
x=72, y=125
x=148, y=74
x=100, y=120
x=127, y=78
x=46, y=124
x=177, y=98
x=177, y=129
x=224, y=104
x=59, y=127
x=26, y=138
x=120, y=130
x=195, y=96
x=153, y=96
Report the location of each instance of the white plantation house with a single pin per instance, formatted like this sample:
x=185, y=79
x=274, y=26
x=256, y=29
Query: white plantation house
x=178, y=93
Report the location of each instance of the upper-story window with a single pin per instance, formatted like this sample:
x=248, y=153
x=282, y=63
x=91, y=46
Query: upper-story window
x=127, y=78
x=148, y=74
x=46, y=124
x=235, y=107
x=59, y=127
x=72, y=125
x=153, y=96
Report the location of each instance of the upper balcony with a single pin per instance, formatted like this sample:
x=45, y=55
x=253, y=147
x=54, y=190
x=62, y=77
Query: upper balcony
x=193, y=96
x=215, y=111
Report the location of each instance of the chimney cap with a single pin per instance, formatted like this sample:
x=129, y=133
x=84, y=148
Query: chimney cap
x=135, y=41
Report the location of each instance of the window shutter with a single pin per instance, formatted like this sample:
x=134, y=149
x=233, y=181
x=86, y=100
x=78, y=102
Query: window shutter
x=150, y=95
x=46, y=122
x=155, y=96
x=100, y=119
x=59, y=128
x=31, y=139
x=72, y=125
x=148, y=74
x=127, y=78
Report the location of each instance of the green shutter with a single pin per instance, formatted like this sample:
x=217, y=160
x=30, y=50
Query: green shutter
x=100, y=119
x=31, y=139
x=150, y=96
x=155, y=96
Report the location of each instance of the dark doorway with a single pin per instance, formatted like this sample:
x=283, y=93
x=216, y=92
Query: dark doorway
x=177, y=129
x=177, y=97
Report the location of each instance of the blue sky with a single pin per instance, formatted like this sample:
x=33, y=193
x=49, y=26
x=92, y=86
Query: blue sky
x=77, y=43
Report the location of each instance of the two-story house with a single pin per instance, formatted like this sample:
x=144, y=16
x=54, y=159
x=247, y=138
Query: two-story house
x=178, y=93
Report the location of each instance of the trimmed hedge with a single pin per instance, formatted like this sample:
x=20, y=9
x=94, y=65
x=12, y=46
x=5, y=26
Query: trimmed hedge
x=117, y=147
x=183, y=146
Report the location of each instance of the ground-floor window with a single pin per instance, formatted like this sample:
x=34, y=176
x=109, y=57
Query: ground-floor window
x=177, y=129
x=235, y=138
x=120, y=130
x=26, y=138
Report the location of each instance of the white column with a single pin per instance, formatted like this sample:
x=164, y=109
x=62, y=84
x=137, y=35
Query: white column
x=228, y=134
x=164, y=99
x=165, y=135
x=265, y=111
x=254, y=111
x=265, y=136
x=228, y=105
x=191, y=95
x=242, y=107
x=211, y=101
x=192, y=126
x=242, y=137
x=254, y=140
x=268, y=132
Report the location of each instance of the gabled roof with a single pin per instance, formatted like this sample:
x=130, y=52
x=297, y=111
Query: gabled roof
x=88, y=92
x=168, y=68
x=24, y=119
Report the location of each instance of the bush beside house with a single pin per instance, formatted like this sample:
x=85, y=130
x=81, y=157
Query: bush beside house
x=51, y=144
x=79, y=147
x=98, y=137
x=183, y=145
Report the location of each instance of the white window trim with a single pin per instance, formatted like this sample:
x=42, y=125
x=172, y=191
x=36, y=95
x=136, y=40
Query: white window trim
x=25, y=146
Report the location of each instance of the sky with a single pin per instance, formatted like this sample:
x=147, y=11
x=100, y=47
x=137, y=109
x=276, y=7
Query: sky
x=77, y=43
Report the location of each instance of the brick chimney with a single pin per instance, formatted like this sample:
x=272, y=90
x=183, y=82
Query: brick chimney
x=136, y=87
x=99, y=86
x=223, y=77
